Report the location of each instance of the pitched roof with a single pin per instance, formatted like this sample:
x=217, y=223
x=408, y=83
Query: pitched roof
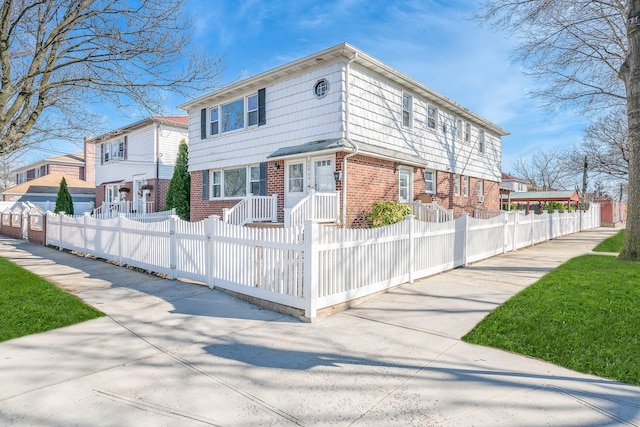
x=66, y=159
x=178, y=121
x=343, y=51
x=507, y=177
x=51, y=184
x=542, y=196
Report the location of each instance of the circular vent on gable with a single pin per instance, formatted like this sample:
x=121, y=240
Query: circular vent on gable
x=321, y=88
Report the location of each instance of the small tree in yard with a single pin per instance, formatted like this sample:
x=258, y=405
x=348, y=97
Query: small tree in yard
x=64, y=203
x=179, y=193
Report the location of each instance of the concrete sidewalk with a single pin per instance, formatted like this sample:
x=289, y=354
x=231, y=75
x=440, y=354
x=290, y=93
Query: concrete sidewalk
x=171, y=353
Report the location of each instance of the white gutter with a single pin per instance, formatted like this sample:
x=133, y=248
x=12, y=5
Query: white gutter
x=349, y=141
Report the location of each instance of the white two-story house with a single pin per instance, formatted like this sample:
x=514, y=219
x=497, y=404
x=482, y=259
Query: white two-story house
x=339, y=121
x=135, y=163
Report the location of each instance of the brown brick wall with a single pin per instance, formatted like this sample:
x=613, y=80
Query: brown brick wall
x=38, y=236
x=67, y=170
x=8, y=230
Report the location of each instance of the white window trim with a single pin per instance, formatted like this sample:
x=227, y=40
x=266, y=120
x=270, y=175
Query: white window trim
x=433, y=181
x=409, y=110
x=409, y=172
x=112, y=147
x=435, y=117
x=248, y=181
x=481, y=141
x=459, y=129
x=245, y=112
x=465, y=186
x=467, y=132
x=480, y=190
x=456, y=185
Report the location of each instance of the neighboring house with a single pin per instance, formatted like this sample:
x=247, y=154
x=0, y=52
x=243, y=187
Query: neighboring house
x=339, y=121
x=43, y=192
x=135, y=163
x=512, y=183
x=70, y=165
x=535, y=200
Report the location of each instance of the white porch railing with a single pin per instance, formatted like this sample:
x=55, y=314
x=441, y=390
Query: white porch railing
x=128, y=208
x=318, y=207
x=251, y=209
x=431, y=212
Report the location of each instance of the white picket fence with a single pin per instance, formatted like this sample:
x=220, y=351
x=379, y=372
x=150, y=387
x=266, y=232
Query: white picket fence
x=310, y=267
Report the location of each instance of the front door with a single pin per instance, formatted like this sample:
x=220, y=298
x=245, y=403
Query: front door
x=294, y=182
x=323, y=173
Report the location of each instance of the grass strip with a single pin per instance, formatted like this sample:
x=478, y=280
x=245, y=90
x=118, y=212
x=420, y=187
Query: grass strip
x=29, y=304
x=612, y=244
x=584, y=316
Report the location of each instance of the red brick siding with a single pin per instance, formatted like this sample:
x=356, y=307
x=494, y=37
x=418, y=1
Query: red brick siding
x=38, y=236
x=201, y=209
x=275, y=184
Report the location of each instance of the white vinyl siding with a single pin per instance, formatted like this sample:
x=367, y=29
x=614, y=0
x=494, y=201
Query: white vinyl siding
x=295, y=115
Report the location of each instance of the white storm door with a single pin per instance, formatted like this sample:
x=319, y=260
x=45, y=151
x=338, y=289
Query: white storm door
x=294, y=182
x=323, y=173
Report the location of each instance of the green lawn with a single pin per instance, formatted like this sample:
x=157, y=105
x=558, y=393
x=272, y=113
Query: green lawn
x=612, y=244
x=30, y=304
x=585, y=315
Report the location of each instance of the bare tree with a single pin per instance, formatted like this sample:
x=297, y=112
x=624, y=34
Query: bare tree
x=606, y=146
x=8, y=164
x=59, y=56
x=545, y=171
x=586, y=54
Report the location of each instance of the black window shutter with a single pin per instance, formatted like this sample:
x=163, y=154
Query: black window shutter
x=102, y=154
x=126, y=146
x=203, y=123
x=205, y=185
x=262, y=110
x=263, y=179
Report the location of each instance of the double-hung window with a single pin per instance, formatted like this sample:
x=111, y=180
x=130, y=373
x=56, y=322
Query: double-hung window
x=115, y=150
x=480, y=189
x=456, y=185
x=252, y=110
x=238, y=114
x=215, y=121
x=465, y=186
x=432, y=117
x=407, y=107
x=467, y=132
x=430, y=181
x=459, y=125
x=481, y=141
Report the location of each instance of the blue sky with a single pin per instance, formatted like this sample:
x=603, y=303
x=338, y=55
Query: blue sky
x=434, y=42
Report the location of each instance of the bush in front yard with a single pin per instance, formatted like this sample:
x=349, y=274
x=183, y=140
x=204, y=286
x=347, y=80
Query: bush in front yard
x=384, y=212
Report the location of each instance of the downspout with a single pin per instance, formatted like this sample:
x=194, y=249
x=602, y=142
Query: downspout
x=349, y=141
x=157, y=192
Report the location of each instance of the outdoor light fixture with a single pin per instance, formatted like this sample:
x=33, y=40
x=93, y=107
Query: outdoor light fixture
x=276, y=166
x=336, y=176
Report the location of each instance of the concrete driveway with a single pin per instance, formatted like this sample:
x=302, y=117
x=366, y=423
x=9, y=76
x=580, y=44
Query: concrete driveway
x=171, y=353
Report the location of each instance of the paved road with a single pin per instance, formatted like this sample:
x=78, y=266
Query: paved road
x=179, y=354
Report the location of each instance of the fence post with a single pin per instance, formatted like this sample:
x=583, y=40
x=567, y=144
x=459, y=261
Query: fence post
x=505, y=234
x=310, y=286
x=84, y=233
x=274, y=208
x=173, y=246
x=287, y=217
x=60, y=216
x=212, y=231
x=120, y=233
x=250, y=200
x=412, y=246
x=465, y=237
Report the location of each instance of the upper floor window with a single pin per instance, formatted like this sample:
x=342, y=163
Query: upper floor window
x=321, y=88
x=252, y=110
x=114, y=151
x=430, y=181
x=38, y=172
x=467, y=132
x=22, y=177
x=407, y=108
x=238, y=114
x=215, y=121
x=459, y=126
x=432, y=117
x=232, y=115
x=481, y=141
